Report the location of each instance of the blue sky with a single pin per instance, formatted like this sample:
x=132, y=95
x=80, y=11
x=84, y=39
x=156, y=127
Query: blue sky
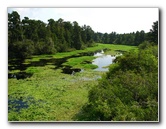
x=120, y=20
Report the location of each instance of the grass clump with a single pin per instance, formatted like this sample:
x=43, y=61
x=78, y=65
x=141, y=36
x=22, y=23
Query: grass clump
x=81, y=62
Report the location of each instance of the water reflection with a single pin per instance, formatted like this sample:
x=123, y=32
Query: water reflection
x=99, y=53
x=19, y=75
x=70, y=70
x=102, y=61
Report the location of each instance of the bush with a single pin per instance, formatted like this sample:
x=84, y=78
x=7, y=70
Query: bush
x=128, y=92
x=21, y=49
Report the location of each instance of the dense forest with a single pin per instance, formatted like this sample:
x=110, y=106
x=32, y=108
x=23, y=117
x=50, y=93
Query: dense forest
x=127, y=92
x=28, y=37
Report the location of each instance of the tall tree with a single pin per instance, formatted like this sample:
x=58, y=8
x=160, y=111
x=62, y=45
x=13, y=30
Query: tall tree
x=18, y=46
x=112, y=37
x=105, y=38
x=14, y=27
x=68, y=28
x=142, y=36
x=153, y=35
x=137, y=38
x=77, y=41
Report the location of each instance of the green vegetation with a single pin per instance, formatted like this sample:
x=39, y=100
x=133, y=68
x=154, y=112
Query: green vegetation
x=29, y=37
x=128, y=92
x=32, y=70
x=50, y=94
x=111, y=49
x=98, y=46
x=81, y=62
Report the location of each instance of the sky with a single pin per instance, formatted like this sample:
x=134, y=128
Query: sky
x=119, y=20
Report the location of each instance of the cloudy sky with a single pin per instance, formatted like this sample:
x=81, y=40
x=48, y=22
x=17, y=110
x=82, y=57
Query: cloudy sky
x=120, y=20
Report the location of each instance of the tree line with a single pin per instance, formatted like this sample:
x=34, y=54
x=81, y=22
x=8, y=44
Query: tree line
x=28, y=37
x=134, y=38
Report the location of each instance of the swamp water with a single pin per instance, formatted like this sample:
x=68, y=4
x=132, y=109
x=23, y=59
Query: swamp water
x=101, y=60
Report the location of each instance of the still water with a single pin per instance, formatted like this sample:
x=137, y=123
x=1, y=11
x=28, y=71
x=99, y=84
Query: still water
x=102, y=61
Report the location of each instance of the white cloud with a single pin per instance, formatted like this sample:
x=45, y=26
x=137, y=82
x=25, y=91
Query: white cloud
x=120, y=20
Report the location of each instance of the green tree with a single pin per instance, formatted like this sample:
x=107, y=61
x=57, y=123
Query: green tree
x=21, y=49
x=77, y=41
x=98, y=37
x=142, y=36
x=52, y=26
x=153, y=35
x=30, y=28
x=137, y=38
x=112, y=37
x=15, y=32
x=105, y=38
x=68, y=28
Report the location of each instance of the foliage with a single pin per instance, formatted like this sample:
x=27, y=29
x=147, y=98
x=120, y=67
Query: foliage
x=56, y=36
x=62, y=36
x=134, y=38
x=84, y=62
x=145, y=45
x=128, y=92
x=50, y=94
x=153, y=34
x=21, y=49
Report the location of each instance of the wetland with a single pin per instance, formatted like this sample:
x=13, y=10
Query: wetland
x=55, y=87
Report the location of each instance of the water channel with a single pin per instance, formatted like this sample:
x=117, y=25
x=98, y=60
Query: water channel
x=102, y=61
